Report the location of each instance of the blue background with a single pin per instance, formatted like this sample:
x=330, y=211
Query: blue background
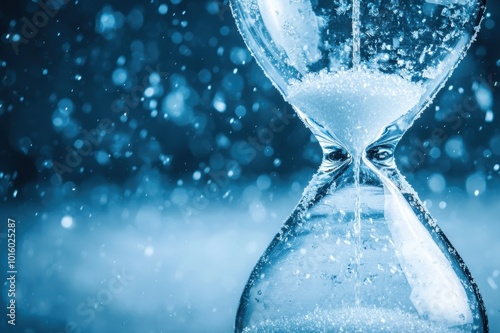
x=163, y=197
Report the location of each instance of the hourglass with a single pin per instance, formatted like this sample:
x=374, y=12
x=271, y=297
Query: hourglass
x=360, y=253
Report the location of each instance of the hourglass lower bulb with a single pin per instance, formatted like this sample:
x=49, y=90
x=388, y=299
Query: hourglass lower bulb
x=360, y=253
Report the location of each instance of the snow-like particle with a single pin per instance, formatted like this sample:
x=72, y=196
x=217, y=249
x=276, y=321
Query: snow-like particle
x=163, y=9
x=437, y=183
x=67, y=222
x=119, y=76
x=219, y=103
x=476, y=184
x=149, y=251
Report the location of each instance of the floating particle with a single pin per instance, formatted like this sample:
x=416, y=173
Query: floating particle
x=239, y=56
x=495, y=144
x=165, y=159
x=162, y=9
x=9, y=78
x=102, y=157
x=204, y=76
x=224, y=30
x=455, y=147
x=489, y=117
x=484, y=96
x=66, y=105
x=154, y=79
x=437, y=183
x=121, y=61
x=149, y=251
x=67, y=222
x=219, y=103
x=119, y=76
x=212, y=7
x=476, y=184
x=223, y=141
x=149, y=92
x=263, y=182
x=240, y=111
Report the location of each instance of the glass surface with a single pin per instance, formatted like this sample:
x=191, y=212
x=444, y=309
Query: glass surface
x=360, y=252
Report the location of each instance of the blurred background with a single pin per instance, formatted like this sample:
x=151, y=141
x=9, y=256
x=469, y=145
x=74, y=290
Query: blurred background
x=135, y=160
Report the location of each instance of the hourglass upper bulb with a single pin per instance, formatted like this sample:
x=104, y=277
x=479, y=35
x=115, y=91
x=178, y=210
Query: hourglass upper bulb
x=338, y=62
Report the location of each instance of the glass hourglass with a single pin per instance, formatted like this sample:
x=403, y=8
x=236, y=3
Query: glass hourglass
x=360, y=253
